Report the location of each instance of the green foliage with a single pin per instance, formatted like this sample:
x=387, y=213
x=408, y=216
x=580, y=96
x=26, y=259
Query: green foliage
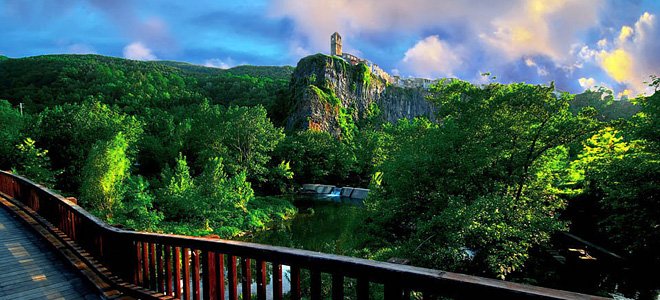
x=315, y=157
x=178, y=194
x=59, y=79
x=346, y=124
x=364, y=74
x=487, y=179
x=12, y=125
x=104, y=173
x=34, y=163
x=137, y=210
x=243, y=136
x=604, y=104
x=70, y=131
x=326, y=96
x=281, y=177
x=620, y=168
x=213, y=202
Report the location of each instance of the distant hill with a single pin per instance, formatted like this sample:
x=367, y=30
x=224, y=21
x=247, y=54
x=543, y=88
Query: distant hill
x=47, y=80
x=275, y=72
x=3, y=57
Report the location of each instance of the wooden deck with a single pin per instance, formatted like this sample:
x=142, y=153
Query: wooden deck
x=30, y=270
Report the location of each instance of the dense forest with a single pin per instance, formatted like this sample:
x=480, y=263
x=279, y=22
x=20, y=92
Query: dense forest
x=173, y=147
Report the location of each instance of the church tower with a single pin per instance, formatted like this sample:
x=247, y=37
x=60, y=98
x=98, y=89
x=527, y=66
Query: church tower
x=335, y=44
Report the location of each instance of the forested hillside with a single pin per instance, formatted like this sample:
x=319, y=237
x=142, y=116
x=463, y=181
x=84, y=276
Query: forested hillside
x=49, y=80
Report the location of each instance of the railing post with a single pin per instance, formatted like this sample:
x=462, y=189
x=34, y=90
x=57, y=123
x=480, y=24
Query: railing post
x=337, y=287
x=246, y=278
x=295, y=283
x=261, y=280
x=177, y=272
x=220, y=284
x=168, y=271
x=159, y=268
x=186, y=273
x=315, y=286
x=233, y=279
x=195, y=274
x=277, y=281
x=362, y=289
x=208, y=275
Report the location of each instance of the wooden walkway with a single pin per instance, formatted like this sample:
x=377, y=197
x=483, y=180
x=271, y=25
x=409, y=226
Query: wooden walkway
x=31, y=270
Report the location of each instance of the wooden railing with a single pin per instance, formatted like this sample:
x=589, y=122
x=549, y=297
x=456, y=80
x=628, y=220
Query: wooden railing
x=199, y=268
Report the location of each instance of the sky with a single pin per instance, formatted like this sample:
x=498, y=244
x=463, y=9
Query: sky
x=578, y=44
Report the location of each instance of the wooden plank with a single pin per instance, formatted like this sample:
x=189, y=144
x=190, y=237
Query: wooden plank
x=37, y=275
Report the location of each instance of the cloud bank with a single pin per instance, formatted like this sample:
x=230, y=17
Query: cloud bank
x=138, y=51
x=530, y=40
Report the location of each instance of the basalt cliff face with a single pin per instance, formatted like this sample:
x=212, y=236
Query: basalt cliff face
x=332, y=95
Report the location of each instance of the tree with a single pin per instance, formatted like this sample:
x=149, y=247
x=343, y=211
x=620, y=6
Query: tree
x=621, y=171
x=70, y=131
x=243, y=136
x=486, y=181
x=34, y=163
x=316, y=157
x=178, y=198
x=104, y=173
x=12, y=125
x=136, y=210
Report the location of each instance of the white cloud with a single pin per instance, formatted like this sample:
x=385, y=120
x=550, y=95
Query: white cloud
x=634, y=56
x=587, y=83
x=220, y=63
x=626, y=32
x=541, y=71
x=431, y=57
x=540, y=27
x=138, y=51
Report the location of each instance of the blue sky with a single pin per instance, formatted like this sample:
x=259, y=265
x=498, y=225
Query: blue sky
x=578, y=44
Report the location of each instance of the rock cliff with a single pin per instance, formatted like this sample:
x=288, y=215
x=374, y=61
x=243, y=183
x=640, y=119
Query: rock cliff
x=332, y=95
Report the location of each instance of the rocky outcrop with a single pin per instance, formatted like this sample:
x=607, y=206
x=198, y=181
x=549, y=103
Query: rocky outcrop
x=332, y=95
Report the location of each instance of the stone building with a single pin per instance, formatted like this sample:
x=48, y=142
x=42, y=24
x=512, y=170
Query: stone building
x=336, y=50
x=335, y=44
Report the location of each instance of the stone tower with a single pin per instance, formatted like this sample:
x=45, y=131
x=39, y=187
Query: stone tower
x=335, y=44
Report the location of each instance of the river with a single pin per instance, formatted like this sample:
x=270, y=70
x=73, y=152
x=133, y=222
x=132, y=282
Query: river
x=323, y=223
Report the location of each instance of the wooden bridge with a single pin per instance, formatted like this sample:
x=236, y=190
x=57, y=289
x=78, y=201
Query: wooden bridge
x=121, y=264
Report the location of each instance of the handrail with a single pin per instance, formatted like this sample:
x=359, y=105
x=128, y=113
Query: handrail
x=194, y=268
